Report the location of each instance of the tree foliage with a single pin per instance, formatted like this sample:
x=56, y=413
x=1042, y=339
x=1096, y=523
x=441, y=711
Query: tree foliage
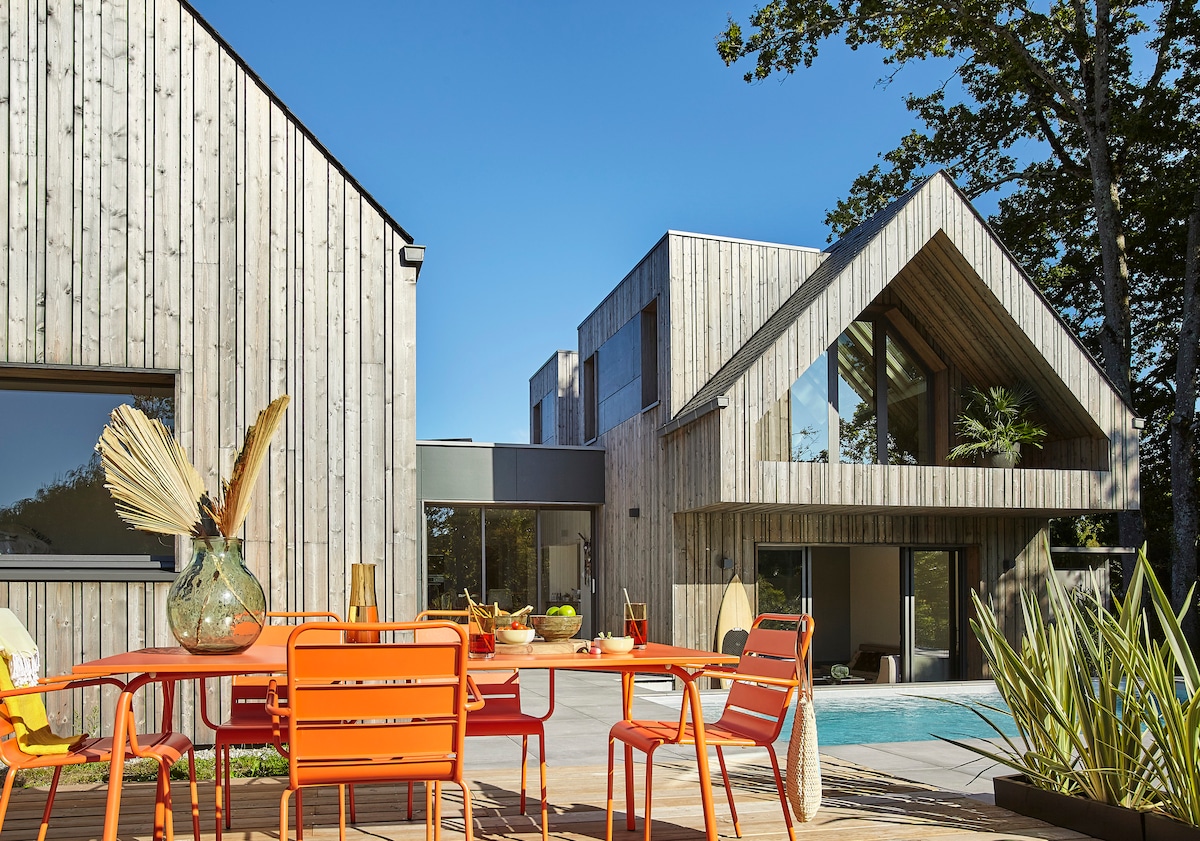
x=1081, y=116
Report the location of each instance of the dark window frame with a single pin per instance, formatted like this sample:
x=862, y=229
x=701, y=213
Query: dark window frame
x=76, y=566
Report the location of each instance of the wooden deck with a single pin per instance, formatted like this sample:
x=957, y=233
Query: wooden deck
x=858, y=804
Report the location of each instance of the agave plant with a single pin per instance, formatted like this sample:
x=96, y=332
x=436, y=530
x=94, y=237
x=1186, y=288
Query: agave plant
x=157, y=489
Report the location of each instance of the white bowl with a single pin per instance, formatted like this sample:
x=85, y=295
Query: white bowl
x=614, y=645
x=510, y=636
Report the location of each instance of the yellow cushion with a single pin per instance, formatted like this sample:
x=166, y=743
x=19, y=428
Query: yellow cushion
x=28, y=716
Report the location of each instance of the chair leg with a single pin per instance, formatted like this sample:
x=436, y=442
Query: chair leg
x=9, y=779
x=649, y=791
x=341, y=813
x=608, y=809
x=283, y=813
x=542, y=773
x=787, y=812
x=164, y=776
x=629, y=820
x=195, y=794
x=524, y=762
x=299, y=814
x=49, y=799
x=353, y=809
x=428, y=811
x=220, y=793
x=410, y=800
x=228, y=783
x=467, y=819
x=737, y=829
x=437, y=811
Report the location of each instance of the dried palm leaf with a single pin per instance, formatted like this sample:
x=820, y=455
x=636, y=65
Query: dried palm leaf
x=155, y=487
x=231, y=512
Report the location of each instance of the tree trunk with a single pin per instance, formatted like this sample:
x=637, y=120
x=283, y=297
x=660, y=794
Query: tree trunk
x=1115, y=336
x=1183, y=435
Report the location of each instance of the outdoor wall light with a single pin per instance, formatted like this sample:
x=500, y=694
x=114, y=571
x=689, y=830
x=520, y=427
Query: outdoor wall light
x=635, y=512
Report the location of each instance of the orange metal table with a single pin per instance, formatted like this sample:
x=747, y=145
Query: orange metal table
x=172, y=664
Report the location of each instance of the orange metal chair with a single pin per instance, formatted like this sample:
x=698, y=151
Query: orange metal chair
x=374, y=712
x=163, y=748
x=773, y=664
x=501, y=714
x=249, y=723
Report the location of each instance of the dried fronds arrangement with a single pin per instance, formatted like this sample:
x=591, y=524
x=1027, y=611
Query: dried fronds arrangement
x=157, y=489
x=493, y=611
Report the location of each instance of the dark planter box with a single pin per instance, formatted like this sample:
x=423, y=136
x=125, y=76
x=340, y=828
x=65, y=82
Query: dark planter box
x=1099, y=820
x=1161, y=828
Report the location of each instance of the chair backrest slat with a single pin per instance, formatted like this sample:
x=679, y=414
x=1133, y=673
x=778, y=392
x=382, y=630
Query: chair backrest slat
x=758, y=710
x=386, y=711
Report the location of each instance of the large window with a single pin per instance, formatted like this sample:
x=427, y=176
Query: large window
x=876, y=392
x=510, y=556
x=52, y=495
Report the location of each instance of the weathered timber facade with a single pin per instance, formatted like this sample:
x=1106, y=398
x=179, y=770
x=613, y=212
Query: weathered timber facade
x=165, y=212
x=701, y=477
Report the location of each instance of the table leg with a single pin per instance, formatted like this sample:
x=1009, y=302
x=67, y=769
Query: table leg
x=627, y=684
x=693, y=694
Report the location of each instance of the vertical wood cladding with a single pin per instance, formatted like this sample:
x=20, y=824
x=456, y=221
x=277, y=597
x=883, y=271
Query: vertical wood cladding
x=164, y=211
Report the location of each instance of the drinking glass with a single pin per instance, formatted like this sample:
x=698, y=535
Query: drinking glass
x=481, y=635
x=635, y=623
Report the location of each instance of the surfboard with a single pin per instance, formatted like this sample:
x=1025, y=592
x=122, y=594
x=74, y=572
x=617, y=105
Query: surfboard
x=734, y=619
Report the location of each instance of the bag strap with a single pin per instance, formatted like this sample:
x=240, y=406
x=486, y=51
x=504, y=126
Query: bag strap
x=804, y=671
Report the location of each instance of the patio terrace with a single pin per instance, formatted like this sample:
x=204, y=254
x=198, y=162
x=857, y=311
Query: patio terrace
x=922, y=791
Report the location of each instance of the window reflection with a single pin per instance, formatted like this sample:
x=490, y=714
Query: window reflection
x=908, y=407
x=810, y=413
x=510, y=565
x=52, y=495
x=902, y=386
x=453, y=555
x=858, y=434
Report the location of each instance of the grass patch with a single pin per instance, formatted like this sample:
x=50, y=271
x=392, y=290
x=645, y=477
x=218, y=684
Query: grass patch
x=248, y=762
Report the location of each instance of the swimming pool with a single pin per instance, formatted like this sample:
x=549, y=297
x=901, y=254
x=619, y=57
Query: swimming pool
x=912, y=714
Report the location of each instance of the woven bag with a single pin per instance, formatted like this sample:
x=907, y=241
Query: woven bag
x=803, y=783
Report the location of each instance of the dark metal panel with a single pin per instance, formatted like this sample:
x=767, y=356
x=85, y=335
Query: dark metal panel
x=509, y=473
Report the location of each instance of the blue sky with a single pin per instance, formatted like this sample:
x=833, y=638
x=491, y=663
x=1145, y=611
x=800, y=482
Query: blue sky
x=539, y=149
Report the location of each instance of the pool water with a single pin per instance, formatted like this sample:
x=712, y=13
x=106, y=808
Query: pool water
x=852, y=717
x=843, y=719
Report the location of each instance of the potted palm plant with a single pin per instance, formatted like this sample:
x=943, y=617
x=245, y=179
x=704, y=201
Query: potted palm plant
x=995, y=422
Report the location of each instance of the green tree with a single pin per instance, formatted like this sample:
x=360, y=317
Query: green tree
x=1082, y=116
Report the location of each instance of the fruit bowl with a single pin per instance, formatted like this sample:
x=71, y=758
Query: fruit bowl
x=510, y=636
x=555, y=628
x=614, y=645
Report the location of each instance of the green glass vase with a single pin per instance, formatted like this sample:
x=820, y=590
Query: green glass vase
x=216, y=605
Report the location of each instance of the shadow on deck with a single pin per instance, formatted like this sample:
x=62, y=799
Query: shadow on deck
x=858, y=804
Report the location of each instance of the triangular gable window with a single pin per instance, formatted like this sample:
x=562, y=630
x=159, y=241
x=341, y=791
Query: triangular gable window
x=873, y=391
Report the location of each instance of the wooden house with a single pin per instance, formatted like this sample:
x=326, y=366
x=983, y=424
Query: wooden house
x=785, y=414
x=172, y=231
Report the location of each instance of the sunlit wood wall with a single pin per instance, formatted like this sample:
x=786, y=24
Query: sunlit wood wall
x=163, y=210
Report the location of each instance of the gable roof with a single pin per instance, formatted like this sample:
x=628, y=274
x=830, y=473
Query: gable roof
x=838, y=262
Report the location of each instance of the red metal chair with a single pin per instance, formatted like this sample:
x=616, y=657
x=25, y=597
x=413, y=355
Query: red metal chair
x=501, y=714
x=764, y=682
x=249, y=723
x=374, y=712
x=164, y=748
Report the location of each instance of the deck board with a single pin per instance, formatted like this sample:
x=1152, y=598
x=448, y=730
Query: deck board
x=859, y=804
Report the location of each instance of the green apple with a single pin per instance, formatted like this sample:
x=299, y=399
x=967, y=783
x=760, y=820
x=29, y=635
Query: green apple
x=552, y=611
x=566, y=610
